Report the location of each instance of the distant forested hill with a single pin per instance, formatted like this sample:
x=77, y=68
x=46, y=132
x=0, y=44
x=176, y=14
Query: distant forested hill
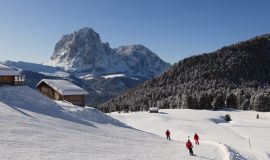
x=235, y=76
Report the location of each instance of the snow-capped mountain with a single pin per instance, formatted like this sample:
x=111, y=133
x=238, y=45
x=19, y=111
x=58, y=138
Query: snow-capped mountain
x=88, y=62
x=83, y=51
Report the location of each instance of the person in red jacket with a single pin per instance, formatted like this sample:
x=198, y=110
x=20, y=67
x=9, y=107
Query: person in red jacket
x=189, y=147
x=168, y=134
x=196, y=139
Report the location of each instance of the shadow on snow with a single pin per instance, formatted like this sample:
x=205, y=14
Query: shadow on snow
x=22, y=98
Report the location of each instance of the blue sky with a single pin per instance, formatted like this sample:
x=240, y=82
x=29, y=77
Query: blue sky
x=173, y=29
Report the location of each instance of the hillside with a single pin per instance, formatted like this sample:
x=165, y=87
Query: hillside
x=236, y=76
x=35, y=127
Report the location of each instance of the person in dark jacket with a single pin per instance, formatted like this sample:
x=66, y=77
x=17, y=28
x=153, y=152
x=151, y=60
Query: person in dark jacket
x=196, y=139
x=168, y=134
x=189, y=147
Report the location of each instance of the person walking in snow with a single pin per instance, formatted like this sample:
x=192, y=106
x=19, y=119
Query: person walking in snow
x=168, y=135
x=196, y=139
x=189, y=147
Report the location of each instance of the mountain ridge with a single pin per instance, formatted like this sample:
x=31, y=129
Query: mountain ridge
x=83, y=51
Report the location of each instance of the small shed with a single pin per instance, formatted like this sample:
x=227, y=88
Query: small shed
x=10, y=76
x=62, y=90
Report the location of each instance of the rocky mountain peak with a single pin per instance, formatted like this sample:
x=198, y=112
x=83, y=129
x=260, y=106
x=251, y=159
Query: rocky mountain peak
x=131, y=49
x=83, y=51
x=87, y=34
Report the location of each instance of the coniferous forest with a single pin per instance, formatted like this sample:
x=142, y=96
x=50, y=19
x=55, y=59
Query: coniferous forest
x=235, y=76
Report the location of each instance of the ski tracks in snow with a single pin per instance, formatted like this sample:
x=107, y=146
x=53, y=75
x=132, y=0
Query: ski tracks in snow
x=235, y=155
x=224, y=152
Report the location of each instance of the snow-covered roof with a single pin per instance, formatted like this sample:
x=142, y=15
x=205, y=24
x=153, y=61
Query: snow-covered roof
x=7, y=71
x=64, y=87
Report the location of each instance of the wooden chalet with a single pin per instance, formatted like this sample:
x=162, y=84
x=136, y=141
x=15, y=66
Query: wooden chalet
x=62, y=90
x=10, y=76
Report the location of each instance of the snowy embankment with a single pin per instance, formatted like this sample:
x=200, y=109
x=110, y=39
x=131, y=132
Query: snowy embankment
x=39, y=68
x=118, y=75
x=232, y=138
x=35, y=127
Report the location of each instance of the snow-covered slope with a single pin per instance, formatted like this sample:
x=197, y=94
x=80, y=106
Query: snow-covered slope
x=35, y=127
x=212, y=129
x=83, y=51
x=38, y=68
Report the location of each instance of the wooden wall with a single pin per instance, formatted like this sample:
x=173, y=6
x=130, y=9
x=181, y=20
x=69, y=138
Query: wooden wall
x=46, y=90
x=7, y=80
x=75, y=99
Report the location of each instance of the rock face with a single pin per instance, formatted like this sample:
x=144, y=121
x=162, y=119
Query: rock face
x=83, y=51
x=140, y=59
x=236, y=76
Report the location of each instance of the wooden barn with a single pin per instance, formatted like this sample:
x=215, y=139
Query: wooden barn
x=62, y=90
x=10, y=76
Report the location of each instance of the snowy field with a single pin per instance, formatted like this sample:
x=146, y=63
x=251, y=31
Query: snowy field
x=231, y=139
x=33, y=127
